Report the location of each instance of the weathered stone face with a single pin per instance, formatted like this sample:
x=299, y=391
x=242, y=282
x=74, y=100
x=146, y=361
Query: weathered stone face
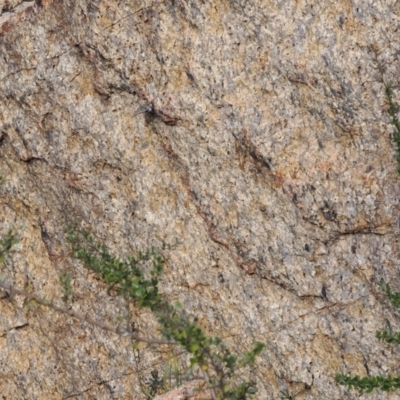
x=265, y=152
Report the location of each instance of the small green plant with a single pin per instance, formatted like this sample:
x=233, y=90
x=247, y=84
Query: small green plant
x=154, y=383
x=394, y=298
x=385, y=383
x=6, y=243
x=392, y=110
x=173, y=375
x=368, y=383
x=285, y=395
x=392, y=106
x=66, y=287
x=217, y=364
x=137, y=279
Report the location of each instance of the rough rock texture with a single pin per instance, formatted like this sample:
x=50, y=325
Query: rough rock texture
x=268, y=158
x=190, y=391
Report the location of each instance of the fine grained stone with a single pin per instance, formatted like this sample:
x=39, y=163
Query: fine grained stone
x=266, y=155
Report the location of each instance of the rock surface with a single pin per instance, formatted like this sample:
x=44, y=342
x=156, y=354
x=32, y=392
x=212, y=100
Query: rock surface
x=190, y=391
x=265, y=153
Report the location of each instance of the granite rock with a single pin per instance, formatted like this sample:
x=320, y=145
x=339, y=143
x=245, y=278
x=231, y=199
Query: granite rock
x=252, y=135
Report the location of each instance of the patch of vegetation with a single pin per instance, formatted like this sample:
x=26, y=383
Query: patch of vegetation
x=392, y=106
x=173, y=375
x=6, y=243
x=66, y=286
x=387, y=383
x=154, y=384
x=137, y=280
x=285, y=395
x=393, y=109
x=384, y=383
x=217, y=364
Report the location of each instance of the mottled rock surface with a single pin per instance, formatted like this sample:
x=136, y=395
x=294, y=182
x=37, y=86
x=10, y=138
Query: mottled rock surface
x=189, y=391
x=267, y=155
